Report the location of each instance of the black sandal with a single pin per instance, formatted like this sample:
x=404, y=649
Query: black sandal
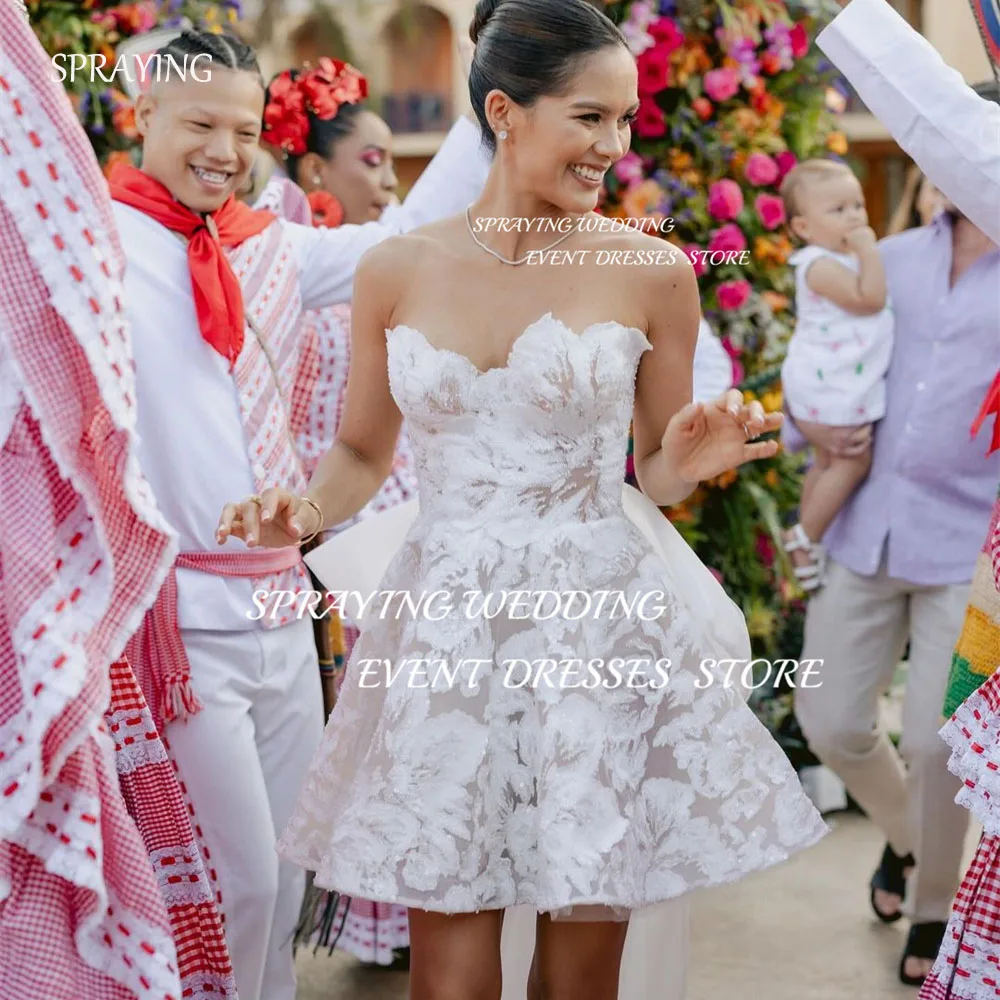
x=889, y=877
x=924, y=941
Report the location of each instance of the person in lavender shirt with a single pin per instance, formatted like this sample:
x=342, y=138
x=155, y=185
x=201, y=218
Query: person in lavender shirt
x=901, y=557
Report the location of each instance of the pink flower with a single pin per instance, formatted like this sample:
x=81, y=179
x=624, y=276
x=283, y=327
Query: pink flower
x=785, y=160
x=734, y=353
x=771, y=210
x=667, y=34
x=799, y=40
x=629, y=168
x=654, y=71
x=697, y=262
x=761, y=170
x=733, y=294
x=649, y=123
x=725, y=200
x=728, y=237
x=721, y=84
x=716, y=574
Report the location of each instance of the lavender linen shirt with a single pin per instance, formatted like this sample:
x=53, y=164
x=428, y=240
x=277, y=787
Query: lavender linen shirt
x=928, y=499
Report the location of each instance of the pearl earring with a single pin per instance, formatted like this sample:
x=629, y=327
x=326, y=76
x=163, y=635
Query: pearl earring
x=503, y=135
x=317, y=179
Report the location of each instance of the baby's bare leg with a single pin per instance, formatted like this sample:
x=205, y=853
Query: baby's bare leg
x=831, y=489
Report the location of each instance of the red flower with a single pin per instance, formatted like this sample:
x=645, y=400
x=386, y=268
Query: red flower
x=765, y=549
x=761, y=100
x=800, y=41
x=332, y=84
x=327, y=210
x=703, y=108
x=649, y=123
x=770, y=63
x=285, y=91
x=654, y=71
x=286, y=128
x=286, y=124
x=666, y=34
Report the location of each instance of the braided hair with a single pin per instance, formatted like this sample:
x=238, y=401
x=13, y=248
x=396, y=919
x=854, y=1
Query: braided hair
x=225, y=50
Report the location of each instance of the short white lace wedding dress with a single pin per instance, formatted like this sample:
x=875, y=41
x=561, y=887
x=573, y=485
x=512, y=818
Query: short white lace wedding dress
x=474, y=787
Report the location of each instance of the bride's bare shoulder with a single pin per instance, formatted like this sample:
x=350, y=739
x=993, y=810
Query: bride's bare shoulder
x=405, y=253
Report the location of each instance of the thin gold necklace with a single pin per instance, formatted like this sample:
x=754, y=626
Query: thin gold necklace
x=505, y=260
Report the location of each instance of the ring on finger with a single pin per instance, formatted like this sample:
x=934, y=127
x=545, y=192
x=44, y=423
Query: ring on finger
x=256, y=499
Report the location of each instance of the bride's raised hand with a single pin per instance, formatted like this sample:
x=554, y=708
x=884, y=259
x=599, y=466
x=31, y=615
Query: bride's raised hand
x=273, y=520
x=706, y=439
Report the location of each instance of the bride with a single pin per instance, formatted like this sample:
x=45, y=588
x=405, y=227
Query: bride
x=586, y=791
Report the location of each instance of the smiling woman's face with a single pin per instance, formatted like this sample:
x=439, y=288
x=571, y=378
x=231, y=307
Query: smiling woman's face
x=563, y=145
x=200, y=137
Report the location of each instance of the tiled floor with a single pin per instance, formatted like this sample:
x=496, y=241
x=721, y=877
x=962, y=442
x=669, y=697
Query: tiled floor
x=802, y=931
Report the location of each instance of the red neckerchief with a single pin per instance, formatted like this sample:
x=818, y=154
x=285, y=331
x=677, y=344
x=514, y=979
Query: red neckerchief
x=991, y=405
x=218, y=298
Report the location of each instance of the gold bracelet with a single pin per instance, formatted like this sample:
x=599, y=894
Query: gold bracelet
x=319, y=513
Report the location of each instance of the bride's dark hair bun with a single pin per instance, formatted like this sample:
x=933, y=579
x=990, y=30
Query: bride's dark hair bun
x=485, y=9
x=532, y=48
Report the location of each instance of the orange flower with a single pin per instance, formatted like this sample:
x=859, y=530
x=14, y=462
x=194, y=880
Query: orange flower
x=680, y=514
x=777, y=301
x=747, y=121
x=739, y=161
x=123, y=120
x=772, y=250
x=119, y=156
x=771, y=478
x=836, y=142
x=680, y=161
x=642, y=199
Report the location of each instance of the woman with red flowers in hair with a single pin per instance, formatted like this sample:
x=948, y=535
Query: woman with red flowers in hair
x=336, y=158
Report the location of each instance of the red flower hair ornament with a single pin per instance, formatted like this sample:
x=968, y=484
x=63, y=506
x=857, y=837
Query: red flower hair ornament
x=321, y=91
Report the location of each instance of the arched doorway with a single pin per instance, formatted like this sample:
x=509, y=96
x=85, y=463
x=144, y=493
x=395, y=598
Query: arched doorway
x=320, y=34
x=419, y=48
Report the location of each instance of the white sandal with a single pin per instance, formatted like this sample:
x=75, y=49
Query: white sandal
x=811, y=575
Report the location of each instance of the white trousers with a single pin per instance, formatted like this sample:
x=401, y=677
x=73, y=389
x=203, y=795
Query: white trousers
x=858, y=626
x=243, y=758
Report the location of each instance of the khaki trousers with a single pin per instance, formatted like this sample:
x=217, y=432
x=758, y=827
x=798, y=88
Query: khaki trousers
x=858, y=626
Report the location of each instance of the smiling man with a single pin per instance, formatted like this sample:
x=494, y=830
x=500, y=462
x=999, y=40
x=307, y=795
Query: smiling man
x=226, y=392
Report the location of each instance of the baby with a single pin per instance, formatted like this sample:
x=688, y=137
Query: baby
x=834, y=372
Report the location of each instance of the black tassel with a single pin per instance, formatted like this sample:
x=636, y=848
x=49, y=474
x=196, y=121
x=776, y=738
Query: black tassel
x=318, y=923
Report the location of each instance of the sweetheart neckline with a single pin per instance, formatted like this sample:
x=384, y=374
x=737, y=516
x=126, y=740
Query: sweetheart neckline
x=564, y=328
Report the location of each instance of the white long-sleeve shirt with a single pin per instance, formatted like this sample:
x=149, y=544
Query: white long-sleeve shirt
x=950, y=131
x=713, y=369
x=209, y=436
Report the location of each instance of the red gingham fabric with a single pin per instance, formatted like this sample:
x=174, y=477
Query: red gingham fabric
x=156, y=651
x=81, y=914
x=149, y=785
x=993, y=543
x=968, y=964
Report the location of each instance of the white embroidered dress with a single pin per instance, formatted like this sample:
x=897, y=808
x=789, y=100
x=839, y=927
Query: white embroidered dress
x=835, y=368
x=484, y=793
